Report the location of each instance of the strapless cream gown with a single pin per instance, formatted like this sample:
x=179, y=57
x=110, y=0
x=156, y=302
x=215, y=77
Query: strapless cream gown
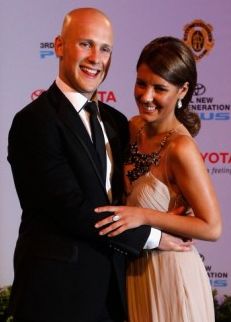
x=165, y=286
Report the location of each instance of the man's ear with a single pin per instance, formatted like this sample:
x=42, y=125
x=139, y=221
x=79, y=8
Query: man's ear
x=58, y=45
x=107, y=67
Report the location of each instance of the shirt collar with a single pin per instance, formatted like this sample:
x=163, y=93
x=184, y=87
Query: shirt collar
x=77, y=99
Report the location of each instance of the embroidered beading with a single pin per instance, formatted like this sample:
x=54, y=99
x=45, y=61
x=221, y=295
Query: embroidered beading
x=143, y=161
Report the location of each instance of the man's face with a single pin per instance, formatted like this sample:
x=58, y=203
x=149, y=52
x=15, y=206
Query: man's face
x=85, y=50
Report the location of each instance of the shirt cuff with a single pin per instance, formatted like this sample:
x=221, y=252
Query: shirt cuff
x=153, y=240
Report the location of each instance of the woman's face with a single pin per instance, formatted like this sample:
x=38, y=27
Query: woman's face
x=155, y=97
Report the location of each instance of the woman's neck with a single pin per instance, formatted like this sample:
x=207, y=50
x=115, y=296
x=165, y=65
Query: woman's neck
x=153, y=128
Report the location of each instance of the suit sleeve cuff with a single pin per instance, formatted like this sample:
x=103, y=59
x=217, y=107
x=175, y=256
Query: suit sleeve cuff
x=153, y=240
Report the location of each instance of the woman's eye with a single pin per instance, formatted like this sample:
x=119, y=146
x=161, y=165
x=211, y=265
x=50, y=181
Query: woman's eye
x=140, y=83
x=160, y=89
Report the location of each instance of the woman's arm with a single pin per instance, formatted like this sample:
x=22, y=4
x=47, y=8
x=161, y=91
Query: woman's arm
x=190, y=175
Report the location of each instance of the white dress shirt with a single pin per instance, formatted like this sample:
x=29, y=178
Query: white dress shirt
x=78, y=100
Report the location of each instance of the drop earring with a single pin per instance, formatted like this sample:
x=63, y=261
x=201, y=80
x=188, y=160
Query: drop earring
x=179, y=103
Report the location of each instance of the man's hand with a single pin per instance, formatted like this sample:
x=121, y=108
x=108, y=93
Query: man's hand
x=170, y=242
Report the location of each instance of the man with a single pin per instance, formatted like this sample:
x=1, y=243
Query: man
x=64, y=270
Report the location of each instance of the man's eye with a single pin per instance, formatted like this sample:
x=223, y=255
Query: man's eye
x=85, y=44
x=107, y=50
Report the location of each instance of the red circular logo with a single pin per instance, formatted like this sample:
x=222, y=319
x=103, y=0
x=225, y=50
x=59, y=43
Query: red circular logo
x=36, y=94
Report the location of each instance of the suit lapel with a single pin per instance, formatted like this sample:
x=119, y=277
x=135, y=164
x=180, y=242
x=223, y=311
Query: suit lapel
x=69, y=116
x=111, y=129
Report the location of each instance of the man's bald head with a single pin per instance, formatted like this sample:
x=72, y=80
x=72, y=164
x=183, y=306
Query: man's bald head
x=83, y=15
x=84, y=49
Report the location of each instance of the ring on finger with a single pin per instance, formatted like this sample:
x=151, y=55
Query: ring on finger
x=115, y=218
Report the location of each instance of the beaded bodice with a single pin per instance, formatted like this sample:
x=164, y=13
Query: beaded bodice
x=143, y=161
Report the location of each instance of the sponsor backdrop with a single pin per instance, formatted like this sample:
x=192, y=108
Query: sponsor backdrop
x=28, y=66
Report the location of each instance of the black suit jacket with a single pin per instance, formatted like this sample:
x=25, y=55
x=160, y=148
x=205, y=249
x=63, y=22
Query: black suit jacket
x=65, y=271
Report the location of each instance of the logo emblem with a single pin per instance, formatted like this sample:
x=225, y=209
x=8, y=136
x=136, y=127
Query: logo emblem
x=199, y=89
x=198, y=36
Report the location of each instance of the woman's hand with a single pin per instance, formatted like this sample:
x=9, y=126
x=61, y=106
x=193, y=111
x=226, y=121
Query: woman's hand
x=122, y=218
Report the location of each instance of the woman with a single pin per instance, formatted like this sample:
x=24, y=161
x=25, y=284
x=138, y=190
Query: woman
x=163, y=171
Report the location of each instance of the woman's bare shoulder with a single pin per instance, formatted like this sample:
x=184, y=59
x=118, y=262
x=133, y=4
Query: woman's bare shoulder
x=183, y=147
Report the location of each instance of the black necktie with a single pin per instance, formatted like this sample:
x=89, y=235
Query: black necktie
x=97, y=136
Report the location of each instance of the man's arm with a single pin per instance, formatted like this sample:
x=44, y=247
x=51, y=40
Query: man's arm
x=170, y=242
